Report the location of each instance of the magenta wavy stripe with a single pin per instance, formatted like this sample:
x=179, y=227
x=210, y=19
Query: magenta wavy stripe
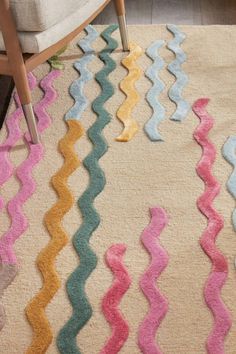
x=218, y=275
x=158, y=303
x=24, y=173
x=14, y=134
x=110, y=302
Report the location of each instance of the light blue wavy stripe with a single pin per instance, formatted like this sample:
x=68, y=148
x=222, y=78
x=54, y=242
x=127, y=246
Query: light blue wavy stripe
x=77, y=87
x=229, y=153
x=151, y=127
x=175, y=68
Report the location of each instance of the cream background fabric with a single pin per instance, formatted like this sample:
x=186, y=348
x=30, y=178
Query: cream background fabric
x=43, y=23
x=139, y=174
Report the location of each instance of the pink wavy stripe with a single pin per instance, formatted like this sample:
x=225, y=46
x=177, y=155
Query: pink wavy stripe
x=120, y=328
x=218, y=275
x=8, y=271
x=50, y=95
x=159, y=261
x=14, y=134
x=19, y=222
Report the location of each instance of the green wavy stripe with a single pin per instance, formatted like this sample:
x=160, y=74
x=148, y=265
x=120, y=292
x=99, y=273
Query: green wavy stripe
x=82, y=310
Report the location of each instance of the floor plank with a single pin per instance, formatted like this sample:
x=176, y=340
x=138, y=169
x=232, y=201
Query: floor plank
x=107, y=16
x=218, y=12
x=192, y=12
x=185, y=12
x=138, y=12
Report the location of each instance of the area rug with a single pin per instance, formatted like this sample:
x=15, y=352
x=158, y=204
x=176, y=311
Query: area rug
x=118, y=232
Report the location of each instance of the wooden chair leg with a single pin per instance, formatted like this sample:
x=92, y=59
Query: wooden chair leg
x=120, y=10
x=17, y=66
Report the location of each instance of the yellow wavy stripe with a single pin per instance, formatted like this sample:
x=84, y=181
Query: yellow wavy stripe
x=127, y=85
x=35, y=310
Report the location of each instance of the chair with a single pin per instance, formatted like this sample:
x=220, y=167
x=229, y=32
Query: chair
x=34, y=30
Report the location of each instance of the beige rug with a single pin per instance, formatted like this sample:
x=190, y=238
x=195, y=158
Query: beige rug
x=139, y=174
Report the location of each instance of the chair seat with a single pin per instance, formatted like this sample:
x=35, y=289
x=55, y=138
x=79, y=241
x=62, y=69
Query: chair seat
x=39, y=15
x=57, y=18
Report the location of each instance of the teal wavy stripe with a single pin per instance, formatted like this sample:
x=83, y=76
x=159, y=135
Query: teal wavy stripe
x=151, y=127
x=77, y=87
x=229, y=153
x=175, y=68
x=82, y=310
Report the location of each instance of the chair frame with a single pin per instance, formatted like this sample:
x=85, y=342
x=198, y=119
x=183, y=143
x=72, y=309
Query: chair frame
x=17, y=64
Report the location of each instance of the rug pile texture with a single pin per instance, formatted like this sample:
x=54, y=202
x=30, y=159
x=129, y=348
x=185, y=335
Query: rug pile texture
x=104, y=241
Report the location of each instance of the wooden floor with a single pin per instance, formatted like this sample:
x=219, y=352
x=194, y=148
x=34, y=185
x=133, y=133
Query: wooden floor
x=192, y=12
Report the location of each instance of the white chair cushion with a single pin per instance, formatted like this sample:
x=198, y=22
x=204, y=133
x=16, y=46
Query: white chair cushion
x=36, y=42
x=39, y=15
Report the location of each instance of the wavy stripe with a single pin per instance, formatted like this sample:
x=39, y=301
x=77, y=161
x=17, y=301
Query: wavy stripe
x=218, y=275
x=175, y=92
x=35, y=310
x=8, y=272
x=112, y=299
x=82, y=310
x=19, y=222
x=50, y=96
x=151, y=127
x=127, y=85
x=77, y=87
x=229, y=153
x=158, y=303
x=14, y=134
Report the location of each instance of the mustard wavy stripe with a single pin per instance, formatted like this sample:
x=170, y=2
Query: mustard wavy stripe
x=35, y=311
x=127, y=85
